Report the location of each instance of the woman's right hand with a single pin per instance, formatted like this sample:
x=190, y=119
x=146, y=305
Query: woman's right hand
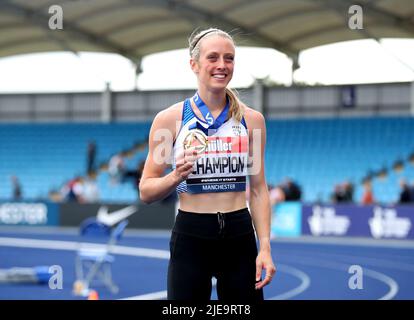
x=184, y=164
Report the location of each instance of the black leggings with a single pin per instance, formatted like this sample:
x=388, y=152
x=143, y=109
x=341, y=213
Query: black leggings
x=221, y=245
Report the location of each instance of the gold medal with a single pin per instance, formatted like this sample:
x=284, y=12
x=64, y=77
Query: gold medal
x=196, y=140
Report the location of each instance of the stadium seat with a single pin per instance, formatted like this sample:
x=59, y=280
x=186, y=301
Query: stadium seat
x=317, y=153
x=46, y=156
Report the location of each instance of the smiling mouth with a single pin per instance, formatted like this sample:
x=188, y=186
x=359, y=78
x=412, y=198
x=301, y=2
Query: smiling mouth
x=219, y=76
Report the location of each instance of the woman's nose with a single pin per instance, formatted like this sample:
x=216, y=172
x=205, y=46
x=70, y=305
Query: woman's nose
x=221, y=64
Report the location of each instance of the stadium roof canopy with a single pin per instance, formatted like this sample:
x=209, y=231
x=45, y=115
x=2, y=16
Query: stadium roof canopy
x=135, y=28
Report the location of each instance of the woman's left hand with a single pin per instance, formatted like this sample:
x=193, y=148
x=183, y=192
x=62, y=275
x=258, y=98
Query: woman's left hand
x=264, y=261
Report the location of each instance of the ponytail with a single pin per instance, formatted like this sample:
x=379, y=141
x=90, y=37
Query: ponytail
x=236, y=110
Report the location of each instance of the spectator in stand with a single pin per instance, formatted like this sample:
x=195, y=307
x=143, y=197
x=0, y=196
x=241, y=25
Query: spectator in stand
x=16, y=188
x=367, y=196
x=405, y=194
x=336, y=196
x=412, y=193
x=116, y=168
x=343, y=192
x=295, y=191
x=135, y=174
x=291, y=190
x=91, y=156
x=90, y=192
x=348, y=191
x=73, y=190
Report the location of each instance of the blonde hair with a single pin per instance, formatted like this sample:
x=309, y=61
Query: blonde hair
x=236, y=110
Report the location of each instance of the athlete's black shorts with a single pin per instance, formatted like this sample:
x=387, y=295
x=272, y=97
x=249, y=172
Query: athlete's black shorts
x=205, y=245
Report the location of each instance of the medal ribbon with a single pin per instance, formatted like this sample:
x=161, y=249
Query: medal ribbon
x=213, y=124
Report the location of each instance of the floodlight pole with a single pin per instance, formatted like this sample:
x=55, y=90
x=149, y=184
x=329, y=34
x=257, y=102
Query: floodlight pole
x=138, y=70
x=258, y=96
x=106, y=104
x=412, y=98
x=295, y=66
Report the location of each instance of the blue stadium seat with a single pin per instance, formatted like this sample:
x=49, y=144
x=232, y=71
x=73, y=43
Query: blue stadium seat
x=317, y=153
x=44, y=156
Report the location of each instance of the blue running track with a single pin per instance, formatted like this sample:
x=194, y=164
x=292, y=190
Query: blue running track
x=308, y=268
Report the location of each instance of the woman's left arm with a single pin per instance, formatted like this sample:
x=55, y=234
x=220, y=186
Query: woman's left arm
x=259, y=201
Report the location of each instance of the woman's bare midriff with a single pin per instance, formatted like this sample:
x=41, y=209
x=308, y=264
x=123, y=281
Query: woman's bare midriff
x=212, y=202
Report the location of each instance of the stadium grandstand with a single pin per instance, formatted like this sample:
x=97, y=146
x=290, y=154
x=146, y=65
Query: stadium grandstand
x=320, y=137
x=331, y=145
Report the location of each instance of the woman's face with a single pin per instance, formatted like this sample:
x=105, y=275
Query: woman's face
x=214, y=69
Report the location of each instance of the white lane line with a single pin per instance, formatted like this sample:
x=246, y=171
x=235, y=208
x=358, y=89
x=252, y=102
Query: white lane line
x=391, y=283
x=386, y=279
x=141, y=252
x=303, y=277
x=73, y=246
x=160, y=295
x=356, y=259
x=39, y=244
x=347, y=241
x=164, y=254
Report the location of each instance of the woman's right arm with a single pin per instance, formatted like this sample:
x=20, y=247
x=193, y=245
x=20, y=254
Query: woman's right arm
x=154, y=185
